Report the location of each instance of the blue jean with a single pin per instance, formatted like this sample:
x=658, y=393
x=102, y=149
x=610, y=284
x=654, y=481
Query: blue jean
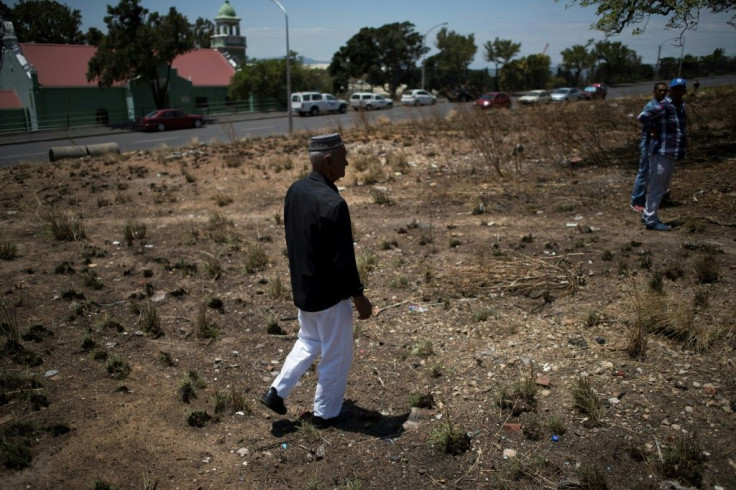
x=639, y=193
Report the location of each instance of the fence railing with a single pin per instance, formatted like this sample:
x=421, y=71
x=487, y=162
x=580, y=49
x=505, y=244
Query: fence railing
x=20, y=121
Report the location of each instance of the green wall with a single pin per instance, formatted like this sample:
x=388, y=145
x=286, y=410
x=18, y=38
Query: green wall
x=60, y=107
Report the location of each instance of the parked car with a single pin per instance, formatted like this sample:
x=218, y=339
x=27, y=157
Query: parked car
x=566, y=94
x=536, y=97
x=493, y=99
x=163, y=119
x=313, y=103
x=370, y=101
x=594, y=91
x=418, y=97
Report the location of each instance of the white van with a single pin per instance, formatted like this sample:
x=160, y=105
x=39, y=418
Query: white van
x=369, y=101
x=313, y=103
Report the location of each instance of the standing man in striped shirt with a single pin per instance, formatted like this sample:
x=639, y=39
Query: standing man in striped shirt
x=667, y=123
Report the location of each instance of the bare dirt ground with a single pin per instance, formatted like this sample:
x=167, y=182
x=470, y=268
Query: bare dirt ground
x=530, y=333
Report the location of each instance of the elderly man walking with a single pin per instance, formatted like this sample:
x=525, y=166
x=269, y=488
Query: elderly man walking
x=667, y=123
x=324, y=279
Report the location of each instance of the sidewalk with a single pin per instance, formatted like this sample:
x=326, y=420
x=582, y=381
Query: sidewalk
x=85, y=131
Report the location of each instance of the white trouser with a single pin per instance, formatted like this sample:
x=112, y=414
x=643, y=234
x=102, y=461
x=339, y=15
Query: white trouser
x=329, y=333
x=661, y=169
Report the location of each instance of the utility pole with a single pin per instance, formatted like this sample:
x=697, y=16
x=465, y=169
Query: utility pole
x=288, y=69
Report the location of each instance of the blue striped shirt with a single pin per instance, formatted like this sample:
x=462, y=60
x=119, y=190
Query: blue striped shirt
x=669, y=124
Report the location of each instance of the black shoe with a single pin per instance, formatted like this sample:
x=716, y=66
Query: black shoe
x=322, y=423
x=273, y=401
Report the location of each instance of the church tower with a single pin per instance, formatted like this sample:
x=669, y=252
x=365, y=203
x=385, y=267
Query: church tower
x=227, y=38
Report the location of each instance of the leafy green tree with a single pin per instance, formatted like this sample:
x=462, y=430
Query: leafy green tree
x=140, y=45
x=266, y=80
x=44, y=21
x=616, y=15
x=575, y=60
x=616, y=62
x=94, y=36
x=450, y=65
x=385, y=56
x=500, y=51
x=203, y=30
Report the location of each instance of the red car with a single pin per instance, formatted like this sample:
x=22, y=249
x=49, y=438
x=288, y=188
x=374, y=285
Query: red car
x=594, y=91
x=494, y=99
x=164, y=119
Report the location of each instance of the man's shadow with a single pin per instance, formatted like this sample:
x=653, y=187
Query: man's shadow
x=352, y=418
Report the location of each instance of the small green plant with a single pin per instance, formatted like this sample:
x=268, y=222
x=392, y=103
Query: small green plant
x=8, y=250
x=92, y=281
x=586, y=400
x=422, y=349
x=205, y=329
x=256, y=259
x=527, y=238
x=684, y=460
x=100, y=355
x=222, y=199
x=213, y=267
x=197, y=380
x=592, y=319
x=366, y=264
x=101, y=484
x=150, y=320
x=453, y=242
x=64, y=226
x=353, y=484
x=199, y=418
x=532, y=427
x=656, y=281
x=389, y=244
x=238, y=401
x=309, y=432
x=591, y=477
x=483, y=314
x=166, y=359
x=88, y=343
x=401, y=282
x=186, y=390
x=221, y=402
x=421, y=400
x=276, y=289
x=149, y=482
x=381, y=198
x=117, y=366
x=607, y=256
x=449, y=439
x=436, y=370
x=9, y=326
x=133, y=231
x=706, y=269
x=425, y=239
x=272, y=325
x=556, y=425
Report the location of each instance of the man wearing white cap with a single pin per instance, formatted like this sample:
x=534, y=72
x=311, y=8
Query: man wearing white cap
x=667, y=122
x=324, y=279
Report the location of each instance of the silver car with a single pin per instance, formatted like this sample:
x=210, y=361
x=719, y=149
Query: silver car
x=418, y=97
x=535, y=97
x=369, y=101
x=566, y=94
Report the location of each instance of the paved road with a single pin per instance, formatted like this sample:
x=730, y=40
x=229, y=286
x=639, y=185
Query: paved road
x=22, y=147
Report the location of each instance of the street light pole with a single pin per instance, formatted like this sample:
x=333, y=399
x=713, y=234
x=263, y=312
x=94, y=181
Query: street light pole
x=659, y=52
x=288, y=67
x=424, y=40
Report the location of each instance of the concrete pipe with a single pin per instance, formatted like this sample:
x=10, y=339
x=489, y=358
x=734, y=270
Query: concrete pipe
x=60, y=152
x=102, y=149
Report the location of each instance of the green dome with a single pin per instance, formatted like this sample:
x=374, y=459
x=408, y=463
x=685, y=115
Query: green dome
x=226, y=11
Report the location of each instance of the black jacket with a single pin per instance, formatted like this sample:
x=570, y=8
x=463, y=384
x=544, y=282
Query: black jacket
x=319, y=239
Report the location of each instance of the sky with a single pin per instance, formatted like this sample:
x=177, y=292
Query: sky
x=318, y=28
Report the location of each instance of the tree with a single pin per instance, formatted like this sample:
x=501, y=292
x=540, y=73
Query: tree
x=139, y=45
x=94, y=36
x=501, y=51
x=203, y=30
x=617, y=63
x=576, y=59
x=456, y=53
x=266, y=80
x=616, y=15
x=386, y=55
x=44, y=21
